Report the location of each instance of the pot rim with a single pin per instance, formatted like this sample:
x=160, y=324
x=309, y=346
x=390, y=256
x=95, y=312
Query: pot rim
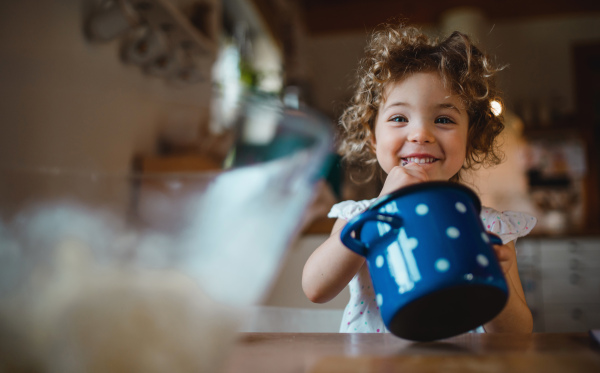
x=425, y=186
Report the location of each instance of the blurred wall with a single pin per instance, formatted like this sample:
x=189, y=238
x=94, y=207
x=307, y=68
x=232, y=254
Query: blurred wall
x=67, y=102
x=540, y=58
x=537, y=51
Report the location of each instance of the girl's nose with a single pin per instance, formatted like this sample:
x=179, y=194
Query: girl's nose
x=421, y=134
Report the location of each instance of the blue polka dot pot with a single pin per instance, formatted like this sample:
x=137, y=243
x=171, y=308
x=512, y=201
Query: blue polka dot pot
x=431, y=261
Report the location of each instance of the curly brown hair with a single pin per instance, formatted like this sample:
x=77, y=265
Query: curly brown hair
x=393, y=53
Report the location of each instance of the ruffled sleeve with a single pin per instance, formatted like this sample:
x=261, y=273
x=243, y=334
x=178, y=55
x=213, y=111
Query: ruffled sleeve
x=509, y=225
x=348, y=209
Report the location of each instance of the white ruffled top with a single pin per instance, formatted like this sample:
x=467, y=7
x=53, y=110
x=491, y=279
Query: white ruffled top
x=362, y=313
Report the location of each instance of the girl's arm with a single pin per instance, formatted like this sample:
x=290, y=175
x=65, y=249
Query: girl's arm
x=516, y=316
x=330, y=267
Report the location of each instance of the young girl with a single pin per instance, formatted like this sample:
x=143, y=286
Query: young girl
x=421, y=112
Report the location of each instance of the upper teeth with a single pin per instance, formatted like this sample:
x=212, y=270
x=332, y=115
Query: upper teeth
x=420, y=160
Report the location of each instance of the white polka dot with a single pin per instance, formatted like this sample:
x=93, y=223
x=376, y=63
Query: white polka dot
x=379, y=299
x=379, y=261
x=461, y=207
x=485, y=237
x=422, y=209
x=442, y=265
x=453, y=232
x=482, y=260
x=469, y=276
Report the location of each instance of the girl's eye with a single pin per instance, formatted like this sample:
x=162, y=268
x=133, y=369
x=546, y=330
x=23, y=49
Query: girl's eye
x=398, y=119
x=444, y=120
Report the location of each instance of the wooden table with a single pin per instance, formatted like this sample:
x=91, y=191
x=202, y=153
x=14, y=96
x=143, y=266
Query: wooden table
x=349, y=353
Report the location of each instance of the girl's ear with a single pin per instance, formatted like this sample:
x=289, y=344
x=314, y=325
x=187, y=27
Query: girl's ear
x=372, y=139
x=372, y=143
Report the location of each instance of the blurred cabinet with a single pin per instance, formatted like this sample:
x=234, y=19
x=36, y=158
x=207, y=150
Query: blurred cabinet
x=561, y=280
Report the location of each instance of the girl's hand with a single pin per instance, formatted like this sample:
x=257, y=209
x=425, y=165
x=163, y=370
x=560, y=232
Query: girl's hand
x=401, y=176
x=506, y=257
x=516, y=316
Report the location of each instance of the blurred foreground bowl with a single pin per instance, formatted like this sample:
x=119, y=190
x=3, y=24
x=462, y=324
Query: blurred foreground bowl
x=120, y=273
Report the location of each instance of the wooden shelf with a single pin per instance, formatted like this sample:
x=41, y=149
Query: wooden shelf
x=175, y=164
x=322, y=225
x=553, y=132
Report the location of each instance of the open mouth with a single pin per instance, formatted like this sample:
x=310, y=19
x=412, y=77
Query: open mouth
x=418, y=160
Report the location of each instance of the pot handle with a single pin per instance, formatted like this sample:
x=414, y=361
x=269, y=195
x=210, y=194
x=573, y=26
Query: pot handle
x=494, y=238
x=356, y=224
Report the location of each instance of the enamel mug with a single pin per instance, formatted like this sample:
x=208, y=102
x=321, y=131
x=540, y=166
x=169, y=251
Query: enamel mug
x=432, y=264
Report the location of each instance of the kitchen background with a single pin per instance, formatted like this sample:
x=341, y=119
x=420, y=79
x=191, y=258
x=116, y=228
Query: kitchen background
x=76, y=92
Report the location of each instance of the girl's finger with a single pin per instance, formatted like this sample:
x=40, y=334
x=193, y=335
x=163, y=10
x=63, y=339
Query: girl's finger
x=502, y=252
x=415, y=170
x=504, y=258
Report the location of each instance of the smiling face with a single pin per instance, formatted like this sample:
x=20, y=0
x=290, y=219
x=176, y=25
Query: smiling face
x=421, y=121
